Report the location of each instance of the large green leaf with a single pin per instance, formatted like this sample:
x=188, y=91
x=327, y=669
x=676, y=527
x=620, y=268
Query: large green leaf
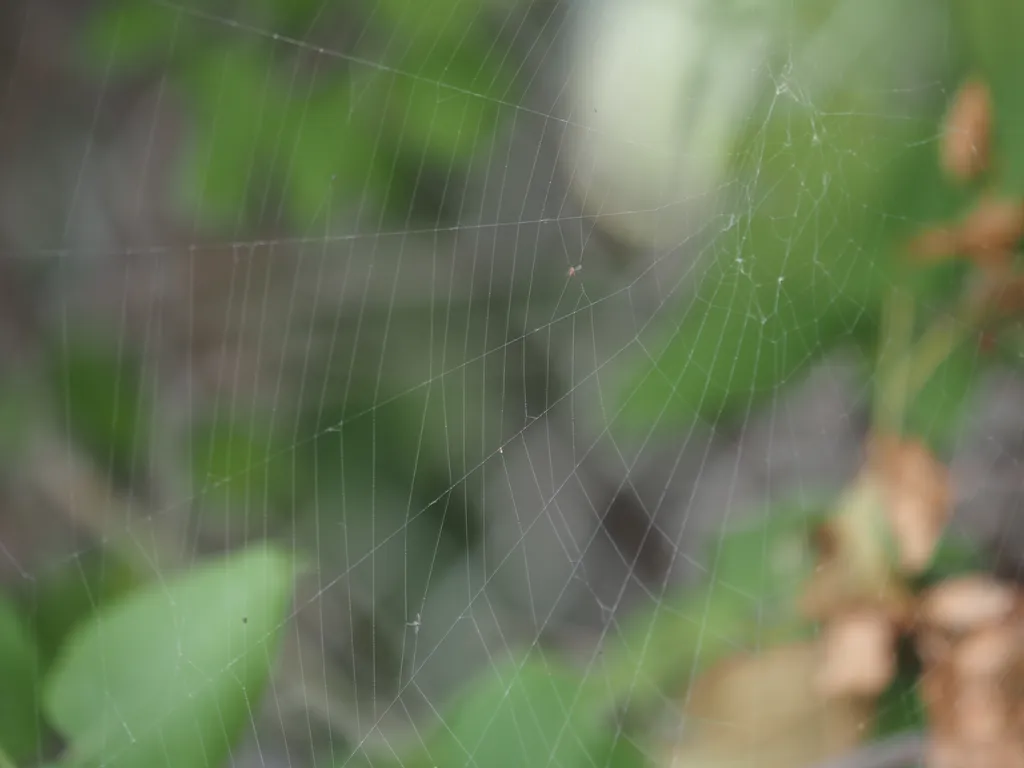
x=769, y=562
x=735, y=345
x=20, y=720
x=807, y=258
x=518, y=713
x=169, y=676
x=68, y=595
x=528, y=711
x=533, y=711
x=800, y=271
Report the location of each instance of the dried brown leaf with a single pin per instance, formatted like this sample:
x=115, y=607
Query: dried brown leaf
x=988, y=653
x=918, y=493
x=966, y=603
x=859, y=654
x=937, y=688
x=1005, y=294
x=991, y=230
x=972, y=643
x=965, y=148
x=936, y=244
x=855, y=569
x=981, y=715
x=953, y=754
x=765, y=710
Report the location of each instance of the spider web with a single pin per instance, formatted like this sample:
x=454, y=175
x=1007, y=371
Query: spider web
x=428, y=411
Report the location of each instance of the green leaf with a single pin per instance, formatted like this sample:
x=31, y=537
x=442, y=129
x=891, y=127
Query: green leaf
x=240, y=110
x=993, y=34
x=807, y=257
x=20, y=720
x=452, y=104
x=430, y=21
x=534, y=711
x=659, y=651
x=331, y=153
x=68, y=595
x=103, y=397
x=133, y=35
x=520, y=712
x=170, y=675
x=239, y=464
x=625, y=752
x=799, y=273
x=769, y=561
x=735, y=345
x=917, y=192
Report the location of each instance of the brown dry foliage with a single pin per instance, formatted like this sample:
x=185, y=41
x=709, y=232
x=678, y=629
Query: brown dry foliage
x=971, y=642
x=966, y=137
x=918, y=491
x=991, y=230
x=859, y=655
x=765, y=710
x=986, y=236
x=798, y=704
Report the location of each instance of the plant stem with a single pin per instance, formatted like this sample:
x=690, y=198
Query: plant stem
x=935, y=347
x=905, y=368
x=890, y=390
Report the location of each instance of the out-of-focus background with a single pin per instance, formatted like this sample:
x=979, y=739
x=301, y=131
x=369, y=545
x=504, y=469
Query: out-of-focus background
x=491, y=314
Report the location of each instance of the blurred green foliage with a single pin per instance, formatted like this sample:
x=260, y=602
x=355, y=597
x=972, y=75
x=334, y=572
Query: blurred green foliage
x=837, y=182
x=531, y=711
x=170, y=674
x=245, y=467
x=992, y=29
x=935, y=411
x=345, y=128
x=69, y=595
x=133, y=671
x=537, y=710
x=102, y=400
x=20, y=721
x=130, y=673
